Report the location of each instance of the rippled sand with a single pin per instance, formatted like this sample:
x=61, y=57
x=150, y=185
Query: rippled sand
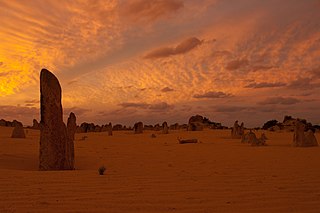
x=147, y=174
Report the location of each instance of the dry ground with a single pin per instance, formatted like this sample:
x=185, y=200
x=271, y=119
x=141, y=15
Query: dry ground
x=147, y=174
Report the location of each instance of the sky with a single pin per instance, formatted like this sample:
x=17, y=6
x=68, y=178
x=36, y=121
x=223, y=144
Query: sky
x=123, y=61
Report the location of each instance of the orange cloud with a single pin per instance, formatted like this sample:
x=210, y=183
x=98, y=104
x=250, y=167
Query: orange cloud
x=148, y=11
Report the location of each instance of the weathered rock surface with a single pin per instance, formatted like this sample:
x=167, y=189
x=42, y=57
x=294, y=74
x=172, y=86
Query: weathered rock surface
x=55, y=146
x=18, y=132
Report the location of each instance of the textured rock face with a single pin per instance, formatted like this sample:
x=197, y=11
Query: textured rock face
x=301, y=138
x=18, y=132
x=138, y=128
x=165, y=129
x=53, y=132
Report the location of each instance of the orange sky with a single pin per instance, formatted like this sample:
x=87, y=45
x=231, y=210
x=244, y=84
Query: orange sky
x=155, y=60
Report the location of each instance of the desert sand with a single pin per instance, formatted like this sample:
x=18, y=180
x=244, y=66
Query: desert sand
x=145, y=174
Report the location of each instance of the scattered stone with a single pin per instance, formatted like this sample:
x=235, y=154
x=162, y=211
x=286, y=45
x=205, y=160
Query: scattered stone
x=109, y=129
x=174, y=126
x=237, y=131
x=302, y=138
x=138, y=128
x=184, y=141
x=195, y=123
x=18, y=132
x=252, y=139
x=165, y=129
x=35, y=124
x=153, y=136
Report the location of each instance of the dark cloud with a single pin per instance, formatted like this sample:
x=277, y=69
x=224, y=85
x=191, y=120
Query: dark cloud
x=134, y=105
x=148, y=11
x=231, y=109
x=212, y=94
x=303, y=84
x=167, y=89
x=162, y=106
x=76, y=110
x=237, y=64
x=183, y=47
x=29, y=105
x=279, y=100
x=21, y=113
x=265, y=85
x=261, y=67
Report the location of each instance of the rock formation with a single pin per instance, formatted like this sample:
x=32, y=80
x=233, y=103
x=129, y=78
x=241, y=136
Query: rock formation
x=18, y=132
x=174, y=126
x=56, y=150
x=195, y=123
x=302, y=138
x=138, y=128
x=165, y=128
x=252, y=139
x=35, y=124
x=71, y=130
x=109, y=128
x=13, y=123
x=237, y=131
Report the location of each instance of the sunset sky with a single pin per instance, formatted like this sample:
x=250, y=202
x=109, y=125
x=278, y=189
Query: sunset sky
x=163, y=60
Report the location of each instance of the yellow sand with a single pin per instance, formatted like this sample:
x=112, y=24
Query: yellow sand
x=147, y=174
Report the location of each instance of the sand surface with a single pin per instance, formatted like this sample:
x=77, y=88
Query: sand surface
x=147, y=174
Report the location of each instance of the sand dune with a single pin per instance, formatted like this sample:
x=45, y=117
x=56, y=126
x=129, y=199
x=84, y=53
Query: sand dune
x=147, y=174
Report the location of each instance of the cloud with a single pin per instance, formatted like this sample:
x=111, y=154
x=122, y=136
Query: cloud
x=237, y=64
x=167, y=89
x=212, y=94
x=78, y=111
x=134, y=105
x=261, y=67
x=33, y=101
x=1, y=63
x=184, y=47
x=279, y=100
x=265, y=85
x=231, y=108
x=303, y=84
x=23, y=114
x=161, y=106
x=148, y=11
